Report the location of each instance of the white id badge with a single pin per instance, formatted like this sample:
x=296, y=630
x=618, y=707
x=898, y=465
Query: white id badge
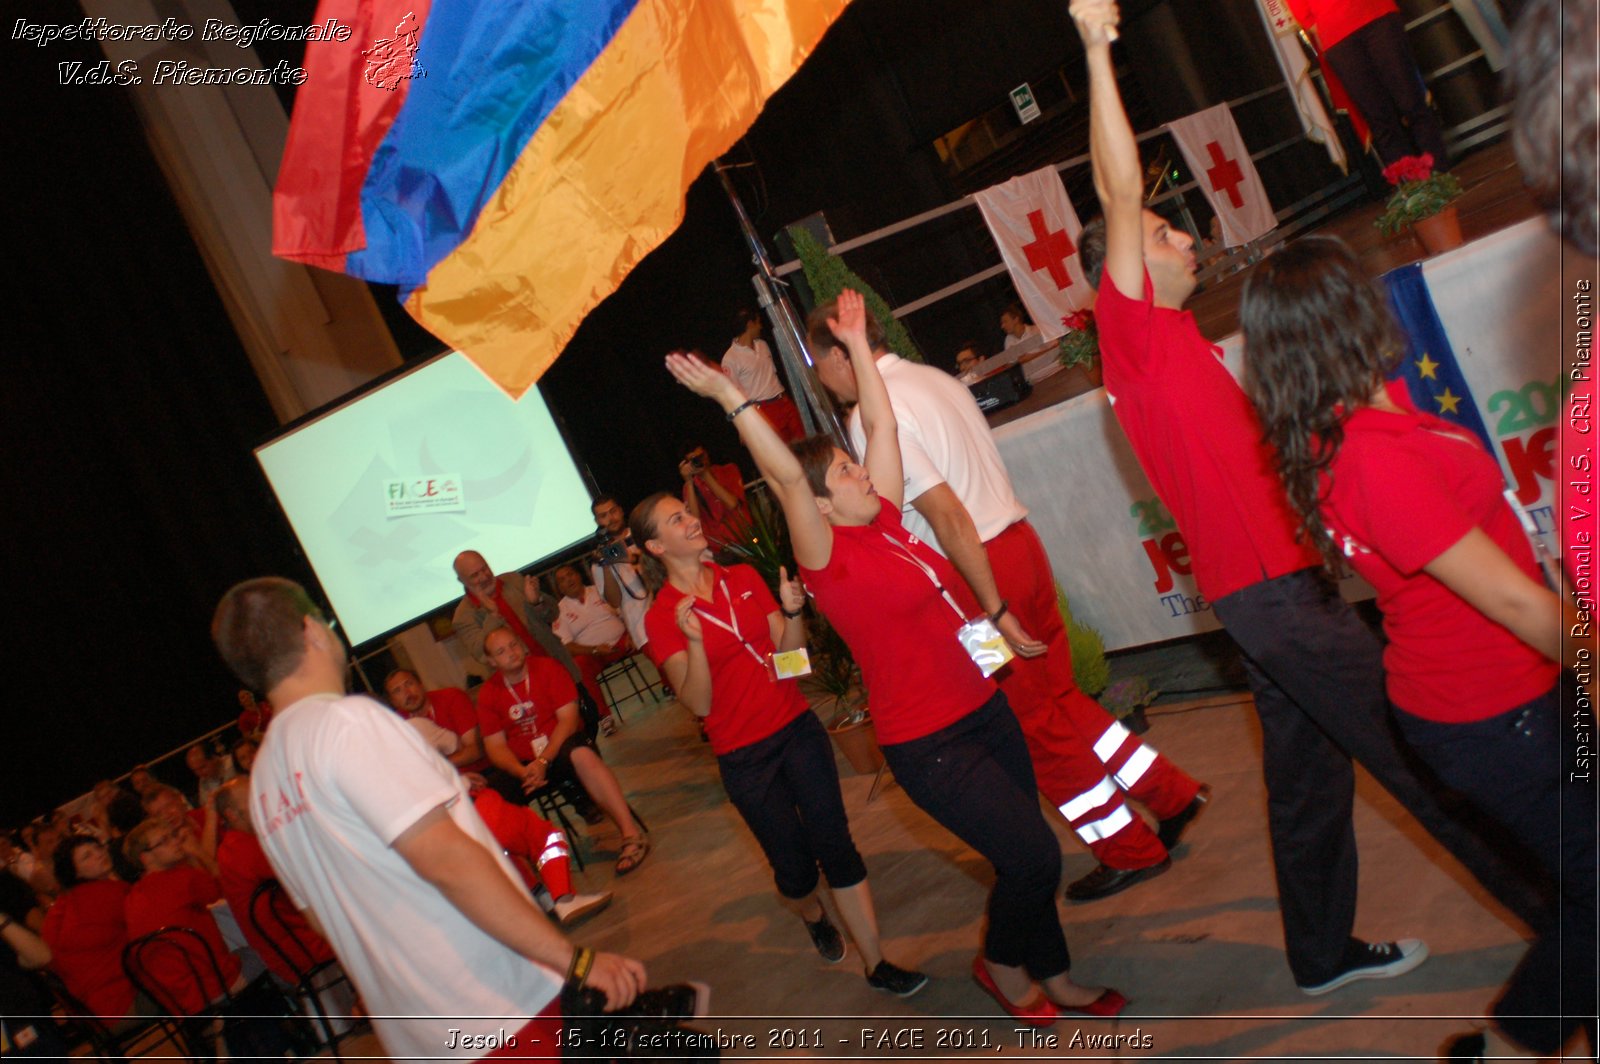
x=789, y=664
x=539, y=744
x=985, y=645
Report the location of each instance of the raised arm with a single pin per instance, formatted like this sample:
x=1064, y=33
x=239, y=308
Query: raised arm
x=1113, y=152
x=809, y=532
x=882, y=457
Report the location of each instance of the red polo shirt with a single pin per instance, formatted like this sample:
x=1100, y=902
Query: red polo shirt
x=919, y=678
x=1406, y=488
x=527, y=709
x=746, y=704
x=1197, y=438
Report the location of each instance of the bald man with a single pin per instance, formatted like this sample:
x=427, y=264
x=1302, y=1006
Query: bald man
x=510, y=600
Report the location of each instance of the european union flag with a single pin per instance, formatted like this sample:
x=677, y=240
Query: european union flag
x=1429, y=367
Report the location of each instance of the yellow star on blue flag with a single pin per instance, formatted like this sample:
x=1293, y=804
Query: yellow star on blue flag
x=1429, y=368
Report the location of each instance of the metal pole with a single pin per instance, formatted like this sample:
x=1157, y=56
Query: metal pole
x=816, y=410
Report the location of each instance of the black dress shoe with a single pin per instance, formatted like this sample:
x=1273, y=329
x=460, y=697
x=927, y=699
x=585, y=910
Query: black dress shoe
x=1105, y=880
x=1170, y=830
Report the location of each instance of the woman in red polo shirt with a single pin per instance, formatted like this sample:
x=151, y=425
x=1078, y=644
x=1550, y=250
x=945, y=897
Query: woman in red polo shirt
x=86, y=930
x=713, y=632
x=1414, y=504
x=945, y=729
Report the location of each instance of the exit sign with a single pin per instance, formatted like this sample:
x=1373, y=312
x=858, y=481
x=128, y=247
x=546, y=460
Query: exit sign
x=1022, y=99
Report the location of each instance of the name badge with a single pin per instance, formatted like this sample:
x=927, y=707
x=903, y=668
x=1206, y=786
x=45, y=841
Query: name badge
x=985, y=645
x=539, y=744
x=789, y=664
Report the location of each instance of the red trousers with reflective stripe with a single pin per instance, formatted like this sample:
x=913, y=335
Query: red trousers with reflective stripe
x=523, y=833
x=1064, y=727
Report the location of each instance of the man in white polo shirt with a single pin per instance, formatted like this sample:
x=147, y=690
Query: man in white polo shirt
x=748, y=361
x=374, y=836
x=959, y=498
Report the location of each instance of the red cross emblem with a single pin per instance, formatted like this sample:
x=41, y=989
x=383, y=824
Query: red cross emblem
x=1049, y=251
x=1225, y=175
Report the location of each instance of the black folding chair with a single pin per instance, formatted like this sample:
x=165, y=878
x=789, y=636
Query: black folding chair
x=244, y=1017
x=109, y=1037
x=554, y=798
x=272, y=915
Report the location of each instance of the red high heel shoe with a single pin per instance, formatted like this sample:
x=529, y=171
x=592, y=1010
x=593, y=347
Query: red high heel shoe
x=1041, y=1013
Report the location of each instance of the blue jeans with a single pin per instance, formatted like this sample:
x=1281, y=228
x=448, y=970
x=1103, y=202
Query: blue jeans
x=787, y=789
x=974, y=777
x=1510, y=766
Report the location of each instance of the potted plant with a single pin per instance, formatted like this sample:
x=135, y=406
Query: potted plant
x=1424, y=201
x=1080, y=346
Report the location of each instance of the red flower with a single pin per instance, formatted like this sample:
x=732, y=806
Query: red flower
x=1079, y=321
x=1409, y=168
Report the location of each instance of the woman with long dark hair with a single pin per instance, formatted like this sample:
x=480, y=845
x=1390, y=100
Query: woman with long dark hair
x=1414, y=504
x=714, y=633
x=944, y=727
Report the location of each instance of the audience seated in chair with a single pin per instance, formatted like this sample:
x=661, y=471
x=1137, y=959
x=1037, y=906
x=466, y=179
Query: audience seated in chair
x=242, y=868
x=528, y=716
x=87, y=930
x=173, y=892
x=196, y=829
x=591, y=631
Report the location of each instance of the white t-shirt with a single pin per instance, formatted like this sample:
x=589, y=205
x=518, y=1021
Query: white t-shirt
x=336, y=781
x=752, y=370
x=636, y=598
x=591, y=621
x=1031, y=336
x=944, y=440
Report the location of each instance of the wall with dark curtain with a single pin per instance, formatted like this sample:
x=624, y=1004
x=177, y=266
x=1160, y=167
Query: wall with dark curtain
x=130, y=414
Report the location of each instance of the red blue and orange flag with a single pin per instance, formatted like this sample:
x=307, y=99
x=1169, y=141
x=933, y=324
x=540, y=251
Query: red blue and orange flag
x=507, y=164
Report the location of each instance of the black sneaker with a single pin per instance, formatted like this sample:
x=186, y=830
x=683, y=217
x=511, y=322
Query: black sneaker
x=826, y=937
x=1170, y=830
x=1374, y=960
x=895, y=980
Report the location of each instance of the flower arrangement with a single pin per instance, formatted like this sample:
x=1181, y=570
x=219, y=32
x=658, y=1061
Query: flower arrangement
x=1081, y=344
x=1418, y=192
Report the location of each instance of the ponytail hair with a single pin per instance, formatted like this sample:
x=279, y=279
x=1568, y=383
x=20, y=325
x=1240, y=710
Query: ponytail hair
x=642, y=524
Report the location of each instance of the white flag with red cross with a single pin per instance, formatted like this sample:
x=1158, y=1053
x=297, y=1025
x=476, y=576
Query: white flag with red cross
x=1036, y=230
x=1219, y=161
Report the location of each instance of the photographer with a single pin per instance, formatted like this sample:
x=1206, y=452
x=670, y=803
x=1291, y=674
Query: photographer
x=713, y=494
x=614, y=569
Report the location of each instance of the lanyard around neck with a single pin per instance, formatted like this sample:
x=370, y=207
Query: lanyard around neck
x=904, y=552
x=731, y=625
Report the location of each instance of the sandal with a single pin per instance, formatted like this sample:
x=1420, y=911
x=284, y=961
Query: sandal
x=634, y=851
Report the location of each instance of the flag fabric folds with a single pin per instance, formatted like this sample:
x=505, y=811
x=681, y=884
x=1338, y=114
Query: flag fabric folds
x=1036, y=229
x=1429, y=367
x=1283, y=30
x=1220, y=162
x=507, y=165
